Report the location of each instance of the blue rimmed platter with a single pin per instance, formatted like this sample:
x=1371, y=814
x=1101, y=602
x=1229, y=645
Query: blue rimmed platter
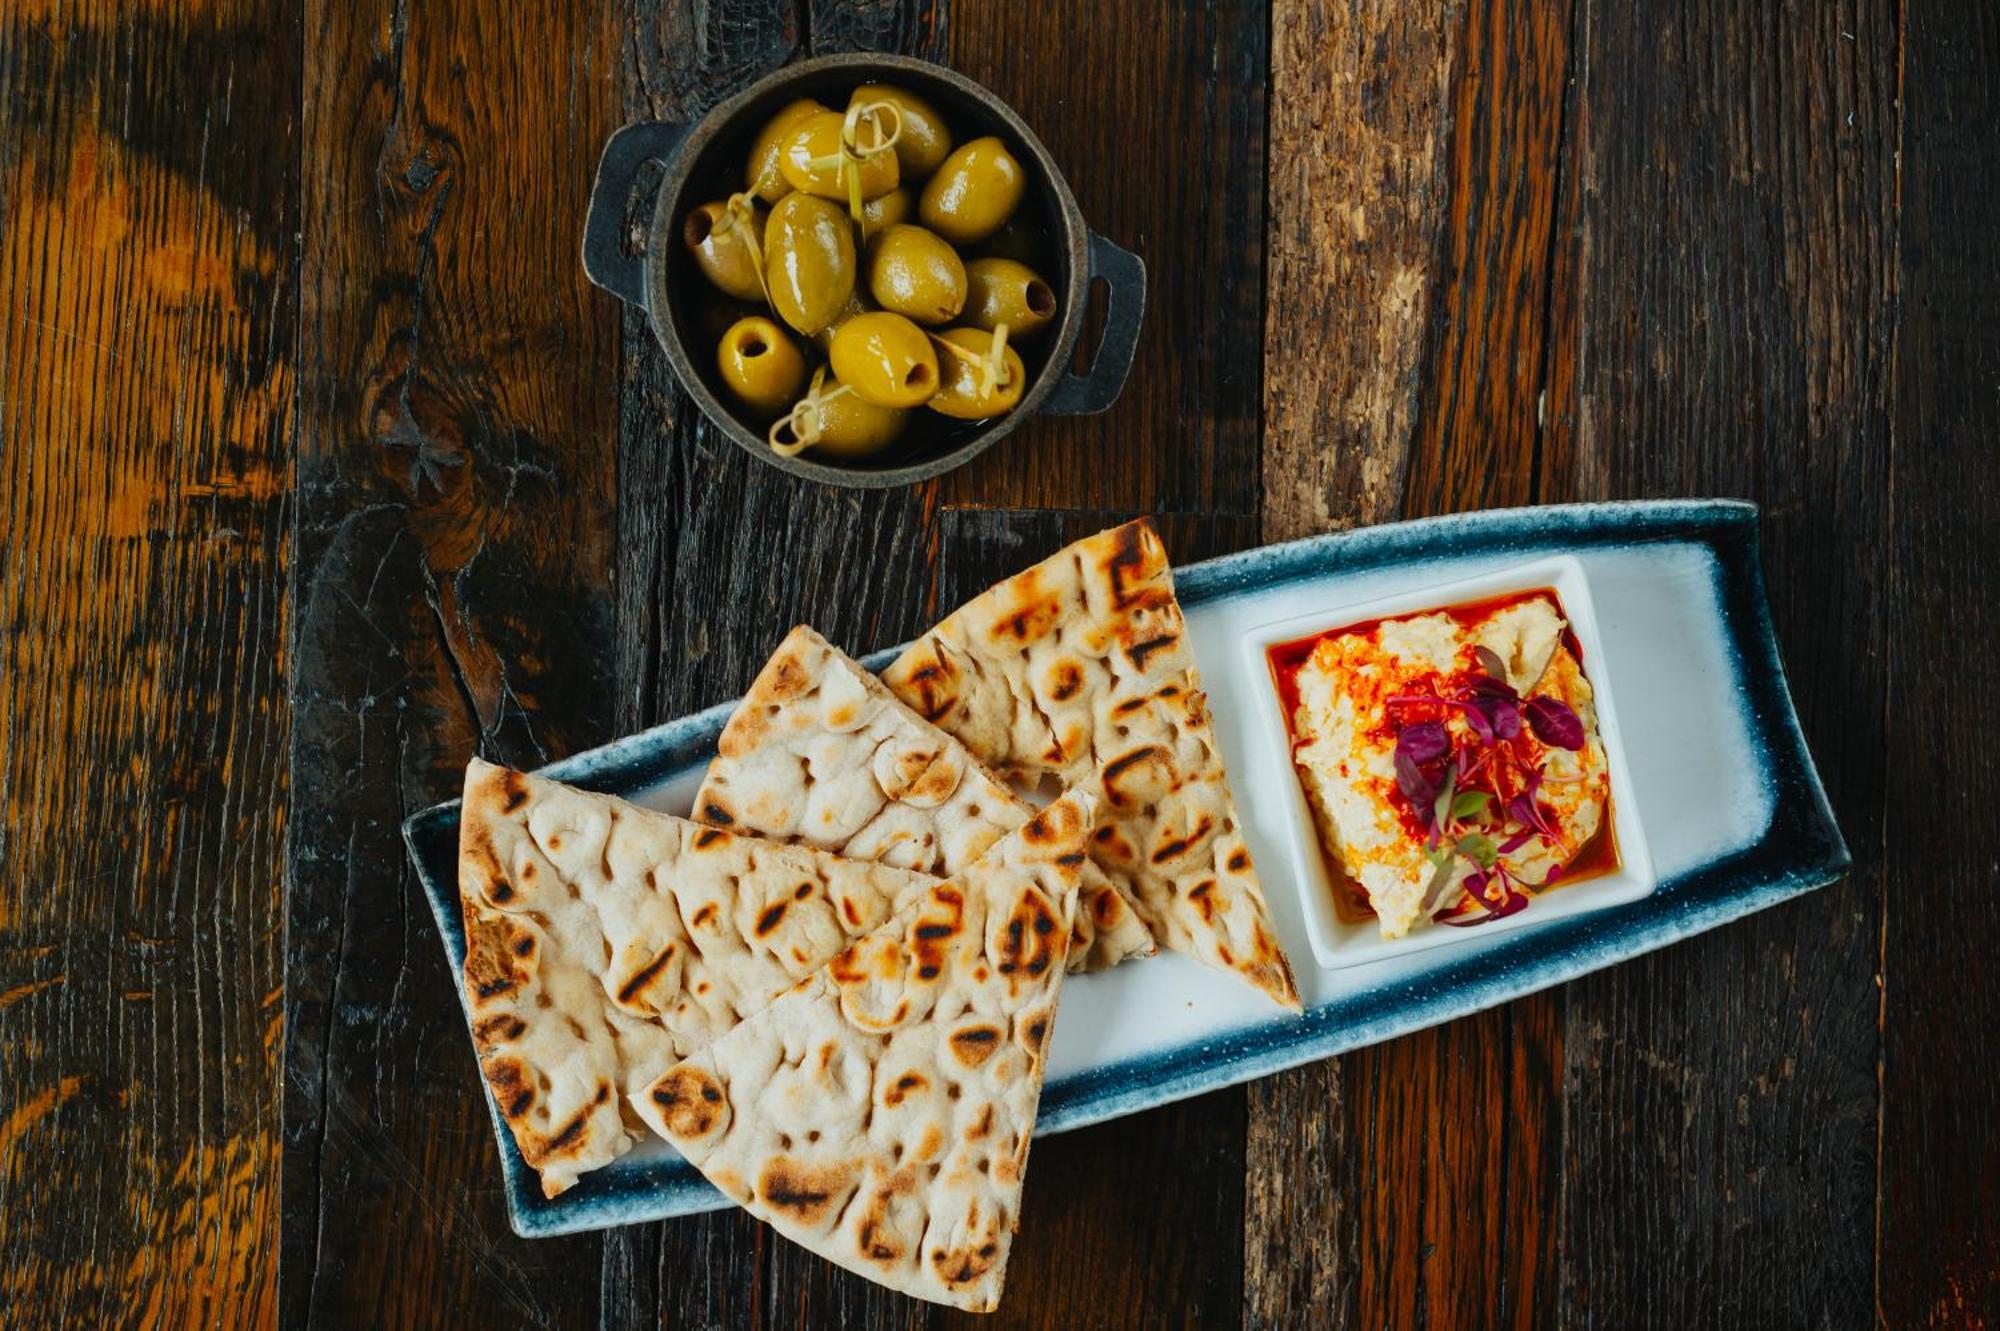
x=1735, y=814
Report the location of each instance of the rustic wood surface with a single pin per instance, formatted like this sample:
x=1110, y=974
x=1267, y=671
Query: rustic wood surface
x=312, y=434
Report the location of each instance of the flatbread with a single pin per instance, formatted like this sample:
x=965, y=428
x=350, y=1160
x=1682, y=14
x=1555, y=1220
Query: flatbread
x=880, y=1113
x=605, y=941
x=1079, y=669
x=819, y=752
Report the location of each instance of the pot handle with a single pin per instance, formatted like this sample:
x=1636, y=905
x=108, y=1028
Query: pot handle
x=1095, y=389
x=605, y=260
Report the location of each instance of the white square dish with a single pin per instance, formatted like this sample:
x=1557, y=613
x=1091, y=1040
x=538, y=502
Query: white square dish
x=1338, y=943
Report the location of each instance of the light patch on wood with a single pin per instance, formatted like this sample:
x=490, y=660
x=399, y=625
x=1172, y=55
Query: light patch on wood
x=1359, y=118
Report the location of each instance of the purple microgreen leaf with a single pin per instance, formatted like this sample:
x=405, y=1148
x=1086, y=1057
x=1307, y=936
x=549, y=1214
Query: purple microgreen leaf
x=1477, y=719
x=1513, y=902
x=1423, y=741
x=1411, y=782
x=1504, y=715
x=1462, y=917
x=1549, y=879
x=1554, y=723
x=1490, y=662
x=1518, y=840
x=1523, y=810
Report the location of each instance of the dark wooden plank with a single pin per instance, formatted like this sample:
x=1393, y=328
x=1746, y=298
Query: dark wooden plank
x=1735, y=176
x=148, y=292
x=717, y=556
x=1458, y=1129
x=454, y=558
x=1939, y=1254
x=1414, y=1183
x=1156, y=115
x=1348, y=292
x=1138, y=1222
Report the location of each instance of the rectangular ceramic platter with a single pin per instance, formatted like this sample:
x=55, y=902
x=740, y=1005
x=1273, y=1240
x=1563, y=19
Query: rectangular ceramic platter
x=1724, y=786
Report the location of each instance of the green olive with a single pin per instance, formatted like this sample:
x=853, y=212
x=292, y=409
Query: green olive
x=914, y=273
x=959, y=393
x=852, y=427
x=973, y=193
x=1001, y=291
x=895, y=206
x=761, y=365
x=885, y=359
x=762, y=177
x=808, y=260
x=857, y=303
x=924, y=141
x=722, y=251
x=812, y=160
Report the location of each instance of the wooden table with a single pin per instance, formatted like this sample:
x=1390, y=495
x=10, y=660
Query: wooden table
x=324, y=468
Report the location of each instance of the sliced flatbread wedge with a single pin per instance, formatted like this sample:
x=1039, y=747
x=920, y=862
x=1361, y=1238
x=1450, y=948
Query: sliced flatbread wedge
x=1079, y=668
x=821, y=753
x=604, y=941
x=880, y=1112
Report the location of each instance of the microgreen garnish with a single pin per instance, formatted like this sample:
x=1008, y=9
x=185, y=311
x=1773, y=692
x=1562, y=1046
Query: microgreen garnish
x=1554, y=723
x=1475, y=794
x=1469, y=804
x=1479, y=848
x=1424, y=741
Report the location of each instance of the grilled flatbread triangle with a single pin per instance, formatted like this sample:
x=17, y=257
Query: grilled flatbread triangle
x=880, y=1112
x=820, y=753
x=605, y=941
x=1079, y=668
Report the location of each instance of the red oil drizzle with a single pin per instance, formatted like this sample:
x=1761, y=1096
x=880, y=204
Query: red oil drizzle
x=1598, y=857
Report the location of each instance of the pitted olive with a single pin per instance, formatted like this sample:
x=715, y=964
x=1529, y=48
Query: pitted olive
x=964, y=392
x=723, y=249
x=762, y=178
x=886, y=359
x=809, y=262
x=924, y=141
x=1001, y=291
x=973, y=193
x=914, y=273
x=814, y=162
x=761, y=365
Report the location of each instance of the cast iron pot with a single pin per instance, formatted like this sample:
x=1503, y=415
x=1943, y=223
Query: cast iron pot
x=706, y=162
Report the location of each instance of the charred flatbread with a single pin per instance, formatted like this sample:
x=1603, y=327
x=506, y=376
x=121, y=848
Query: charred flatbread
x=820, y=753
x=1079, y=669
x=880, y=1112
x=604, y=941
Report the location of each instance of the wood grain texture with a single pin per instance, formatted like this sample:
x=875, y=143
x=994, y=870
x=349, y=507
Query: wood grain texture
x=1733, y=316
x=303, y=396
x=1938, y=1250
x=1360, y=128
x=1417, y=1183
x=1156, y=115
x=148, y=265
x=456, y=470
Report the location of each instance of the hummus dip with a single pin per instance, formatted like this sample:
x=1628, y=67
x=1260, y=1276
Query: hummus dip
x=1451, y=758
